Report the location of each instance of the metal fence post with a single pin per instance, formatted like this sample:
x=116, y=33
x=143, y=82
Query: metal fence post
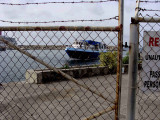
x=133, y=69
x=133, y=66
x=119, y=64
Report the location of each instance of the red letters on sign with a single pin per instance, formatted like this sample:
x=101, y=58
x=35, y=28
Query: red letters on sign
x=151, y=40
x=154, y=41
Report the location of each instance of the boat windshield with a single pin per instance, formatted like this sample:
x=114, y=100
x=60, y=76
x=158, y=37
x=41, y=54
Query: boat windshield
x=77, y=43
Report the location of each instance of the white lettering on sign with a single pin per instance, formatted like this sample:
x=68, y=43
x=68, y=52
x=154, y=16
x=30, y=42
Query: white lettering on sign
x=151, y=61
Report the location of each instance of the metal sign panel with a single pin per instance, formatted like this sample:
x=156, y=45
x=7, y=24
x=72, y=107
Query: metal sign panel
x=151, y=61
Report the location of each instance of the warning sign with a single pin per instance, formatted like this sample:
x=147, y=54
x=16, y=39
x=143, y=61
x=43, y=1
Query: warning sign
x=151, y=61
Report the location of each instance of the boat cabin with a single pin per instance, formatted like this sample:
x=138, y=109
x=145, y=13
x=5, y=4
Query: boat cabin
x=89, y=45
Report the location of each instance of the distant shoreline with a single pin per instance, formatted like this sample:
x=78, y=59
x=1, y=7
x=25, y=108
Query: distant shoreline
x=55, y=47
x=43, y=47
x=52, y=47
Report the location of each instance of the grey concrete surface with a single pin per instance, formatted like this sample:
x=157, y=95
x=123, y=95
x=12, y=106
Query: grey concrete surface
x=60, y=100
x=44, y=76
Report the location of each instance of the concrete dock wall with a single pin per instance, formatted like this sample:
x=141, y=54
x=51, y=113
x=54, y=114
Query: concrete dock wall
x=44, y=76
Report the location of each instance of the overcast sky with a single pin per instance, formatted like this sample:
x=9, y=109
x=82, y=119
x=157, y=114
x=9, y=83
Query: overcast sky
x=53, y=12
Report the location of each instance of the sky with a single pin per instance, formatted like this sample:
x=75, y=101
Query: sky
x=59, y=12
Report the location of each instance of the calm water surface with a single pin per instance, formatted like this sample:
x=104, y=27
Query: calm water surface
x=13, y=64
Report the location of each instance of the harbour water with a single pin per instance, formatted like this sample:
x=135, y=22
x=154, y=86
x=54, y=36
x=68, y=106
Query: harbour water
x=13, y=64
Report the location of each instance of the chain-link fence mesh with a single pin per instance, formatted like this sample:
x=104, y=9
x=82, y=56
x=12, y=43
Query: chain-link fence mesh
x=148, y=105
x=33, y=90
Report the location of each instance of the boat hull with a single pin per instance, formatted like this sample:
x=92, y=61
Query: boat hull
x=82, y=54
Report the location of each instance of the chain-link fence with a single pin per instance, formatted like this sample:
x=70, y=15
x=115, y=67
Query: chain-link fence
x=149, y=75
x=41, y=80
x=148, y=105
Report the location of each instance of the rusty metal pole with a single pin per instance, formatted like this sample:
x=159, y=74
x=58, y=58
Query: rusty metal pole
x=133, y=67
x=59, y=28
x=119, y=64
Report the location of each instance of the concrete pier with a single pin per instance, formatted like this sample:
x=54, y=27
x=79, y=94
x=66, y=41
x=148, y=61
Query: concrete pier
x=45, y=76
x=60, y=100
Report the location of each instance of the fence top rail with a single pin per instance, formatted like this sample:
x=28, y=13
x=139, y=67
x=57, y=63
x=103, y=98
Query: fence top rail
x=145, y=19
x=59, y=28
